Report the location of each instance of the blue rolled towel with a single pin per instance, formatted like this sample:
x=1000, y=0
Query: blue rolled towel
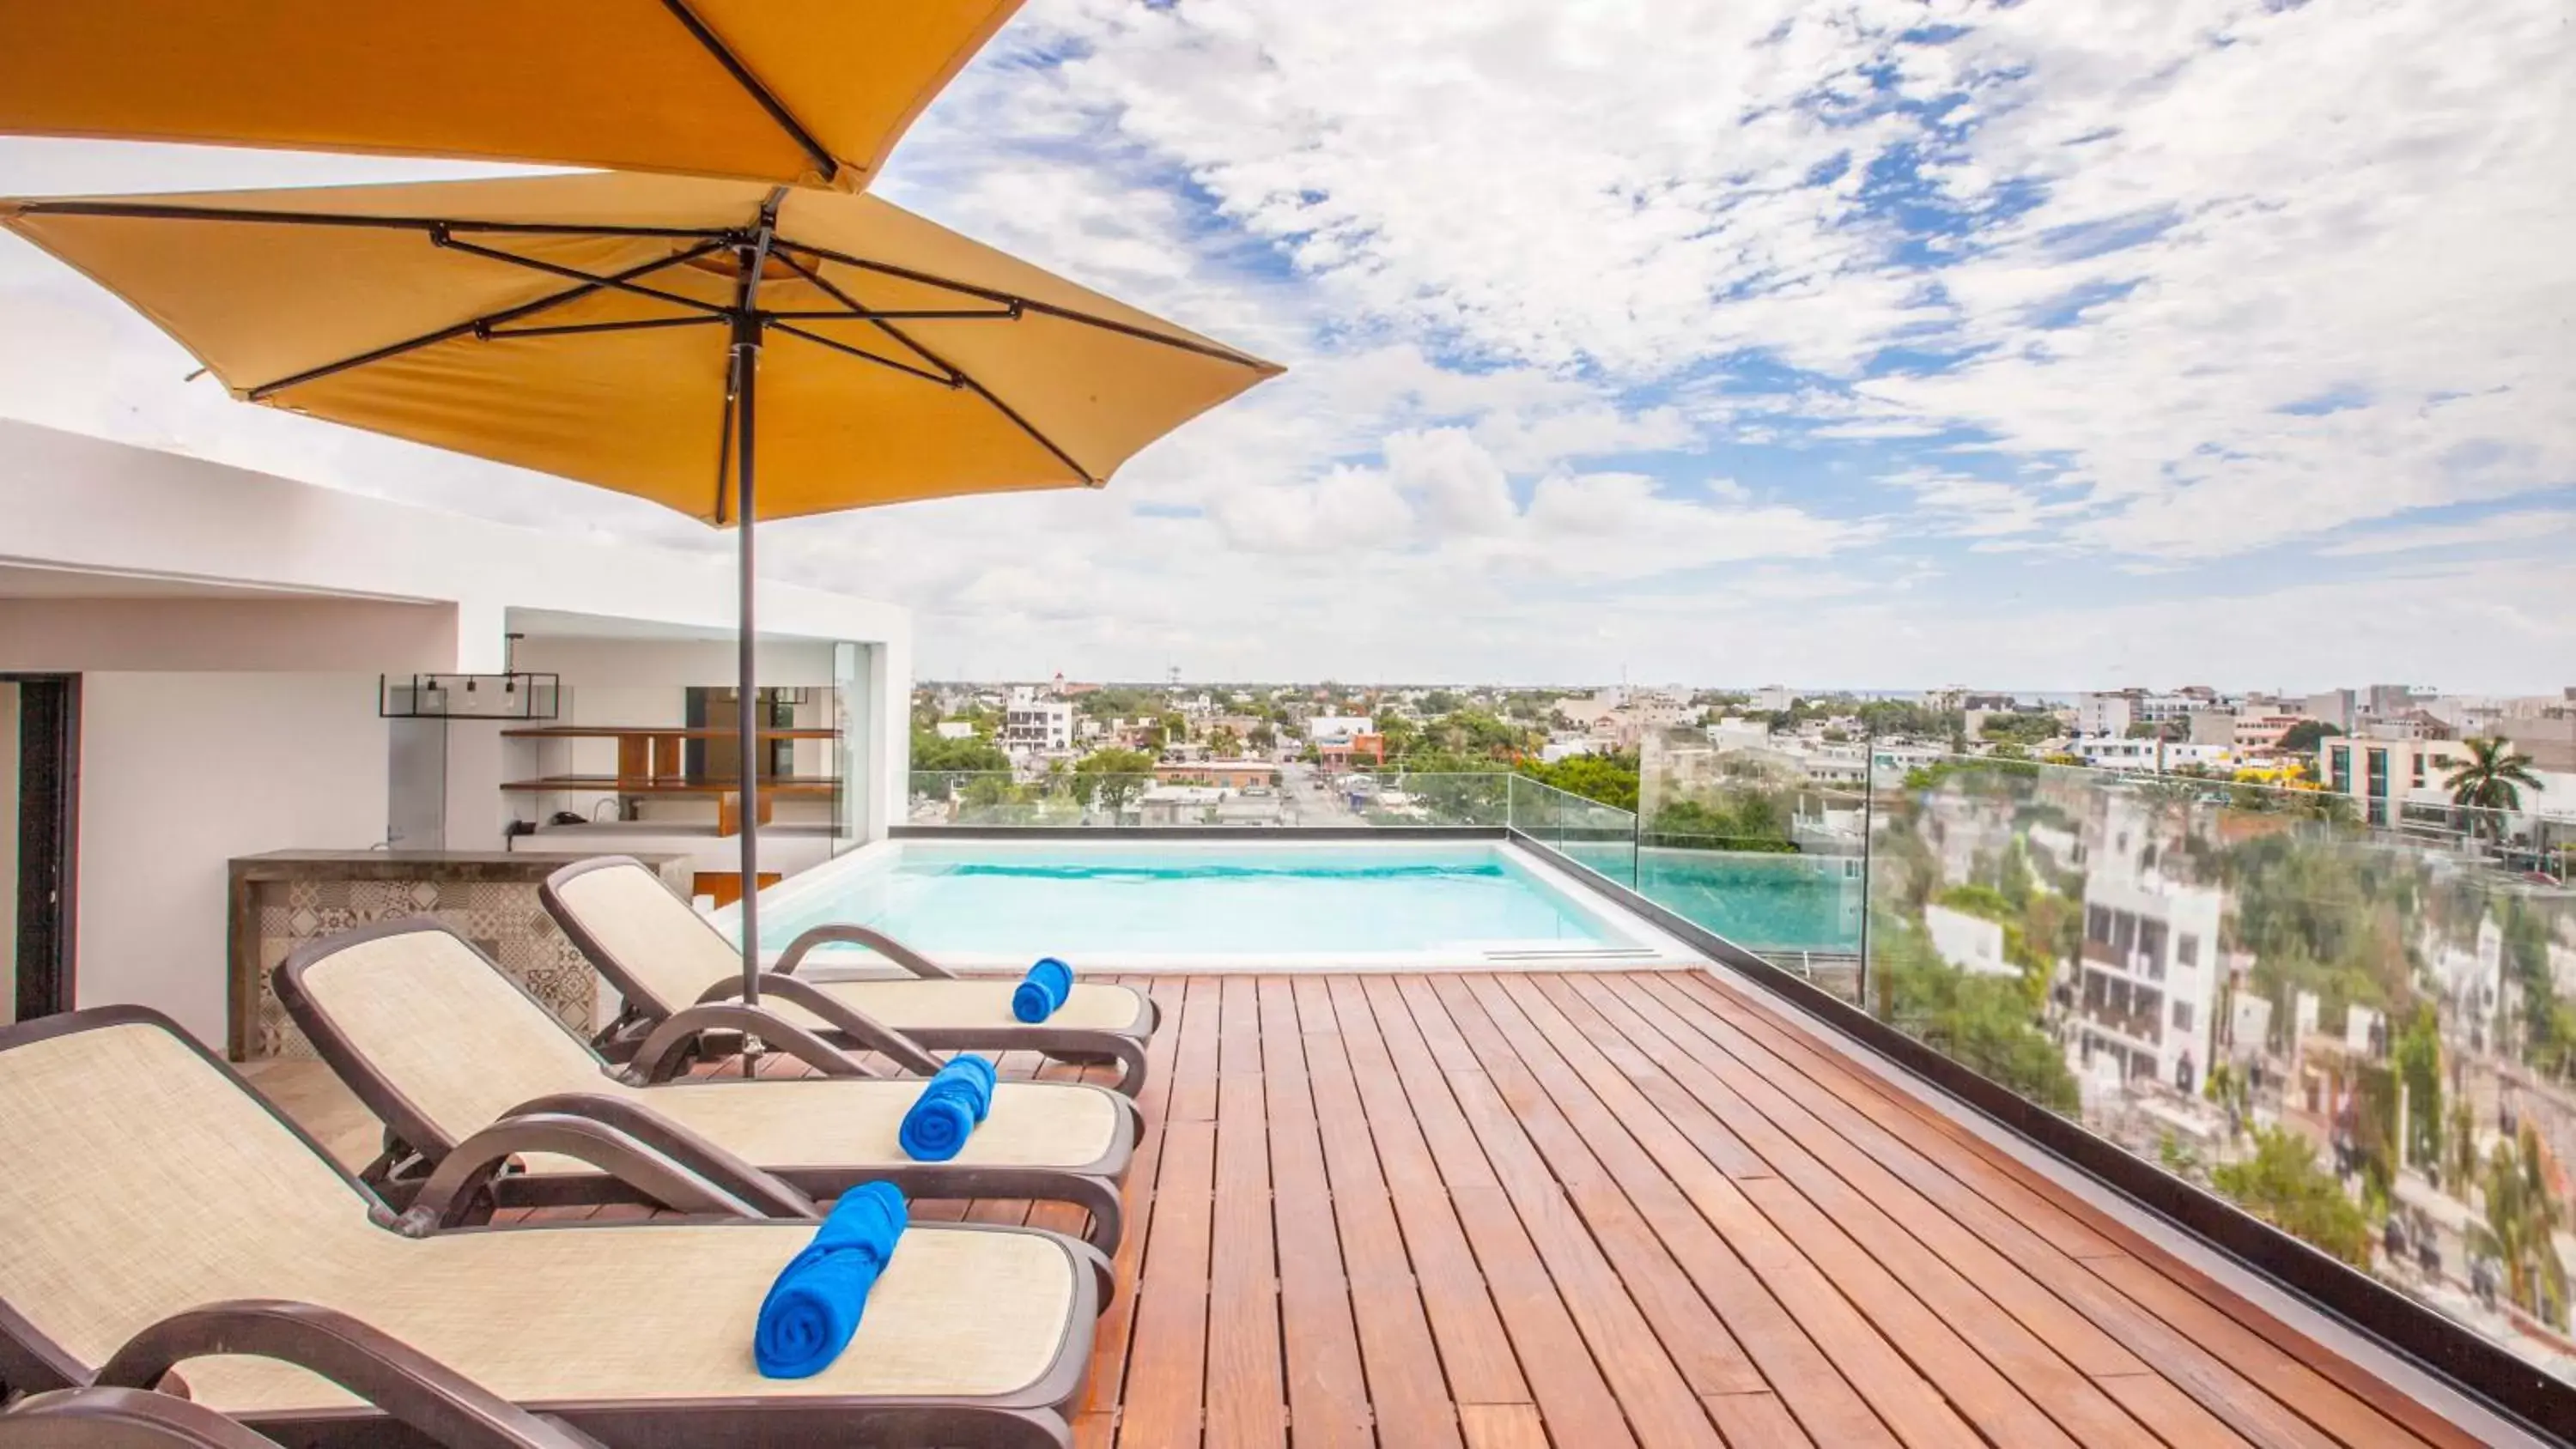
x=945, y=1114
x=1044, y=989
x=814, y=1307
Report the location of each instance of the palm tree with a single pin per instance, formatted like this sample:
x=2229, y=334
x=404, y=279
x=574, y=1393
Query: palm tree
x=2520, y=1219
x=2491, y=777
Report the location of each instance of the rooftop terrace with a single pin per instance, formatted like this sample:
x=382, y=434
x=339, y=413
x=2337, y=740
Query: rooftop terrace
x=1593, y=1209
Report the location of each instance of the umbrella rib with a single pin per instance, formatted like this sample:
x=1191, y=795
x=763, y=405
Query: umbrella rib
x=967, y=381
x=1068, y=314
x=857, y=311
x=153, y=211
x=767, y=99
x=963, y=379
x=474, y=325
x=555, y=269
x=577, y=329
x=863, y=354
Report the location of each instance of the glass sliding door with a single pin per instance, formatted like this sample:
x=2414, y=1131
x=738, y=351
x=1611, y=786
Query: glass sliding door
x=852, y=721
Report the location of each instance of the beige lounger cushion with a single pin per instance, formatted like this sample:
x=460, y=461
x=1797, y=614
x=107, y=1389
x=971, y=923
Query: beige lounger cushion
x=914, y=1004
x=677, y=954
x=465, y=1046
x=135, y=1182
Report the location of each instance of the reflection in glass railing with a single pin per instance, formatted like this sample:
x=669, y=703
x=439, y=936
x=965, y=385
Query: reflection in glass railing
x=2364, y=1035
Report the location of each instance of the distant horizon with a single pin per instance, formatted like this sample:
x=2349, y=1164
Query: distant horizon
x=2053, y=694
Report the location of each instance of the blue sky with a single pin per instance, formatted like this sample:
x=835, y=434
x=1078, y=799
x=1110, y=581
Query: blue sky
x=1884, y=344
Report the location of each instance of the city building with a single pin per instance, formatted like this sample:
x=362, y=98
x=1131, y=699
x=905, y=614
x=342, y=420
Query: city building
x=2152, y=755
x=2109, y=713
x=1774, y=698
x=2260, y=734
x=1971, y=943
x=2149, y=966
x=2393, y=779
x=1037, y=726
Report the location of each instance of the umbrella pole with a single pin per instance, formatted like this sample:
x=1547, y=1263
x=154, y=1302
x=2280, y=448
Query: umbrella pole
x=746, y=352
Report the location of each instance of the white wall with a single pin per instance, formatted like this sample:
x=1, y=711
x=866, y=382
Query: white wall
x=179, y=774
x=199, y=634
x=8, y=851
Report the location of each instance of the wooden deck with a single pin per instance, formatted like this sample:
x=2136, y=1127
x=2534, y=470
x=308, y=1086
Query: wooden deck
x=1496, y=1211
x=1511, y=1211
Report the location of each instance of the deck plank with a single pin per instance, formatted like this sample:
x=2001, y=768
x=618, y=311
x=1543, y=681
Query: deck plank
x=1906, y=1403
x=1520, y=1210
x=1475, y=1354
x=1246, y=1398
x=1326, y=1386
x=2329, y=1390
x=1110, y=1338
x=1914, y=1294
x=1408, y=1393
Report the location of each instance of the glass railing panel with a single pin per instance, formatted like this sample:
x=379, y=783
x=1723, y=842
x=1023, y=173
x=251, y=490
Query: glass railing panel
x=1224, y=795
x=2363, y=1032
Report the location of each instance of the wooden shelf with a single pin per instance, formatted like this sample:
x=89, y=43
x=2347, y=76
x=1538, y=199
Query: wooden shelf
x=664, y=732
x=790, y=786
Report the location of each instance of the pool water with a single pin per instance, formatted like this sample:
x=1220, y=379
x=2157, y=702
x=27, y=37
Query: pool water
x=1758, y=900
x=1008, y=901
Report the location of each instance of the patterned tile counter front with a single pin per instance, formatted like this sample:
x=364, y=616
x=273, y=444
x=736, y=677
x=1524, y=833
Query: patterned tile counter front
x=287, y=899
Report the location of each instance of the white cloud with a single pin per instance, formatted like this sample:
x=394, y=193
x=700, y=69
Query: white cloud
x=2212, y=298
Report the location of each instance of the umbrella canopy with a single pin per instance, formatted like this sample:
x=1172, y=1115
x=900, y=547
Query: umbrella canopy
x=584, y=326
x=652, y=335
x=777, y=90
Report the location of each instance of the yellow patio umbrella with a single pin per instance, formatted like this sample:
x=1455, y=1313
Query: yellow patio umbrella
x=798, y=91
x=649, y=334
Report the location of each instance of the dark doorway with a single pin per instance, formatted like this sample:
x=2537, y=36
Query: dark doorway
x=39, y=824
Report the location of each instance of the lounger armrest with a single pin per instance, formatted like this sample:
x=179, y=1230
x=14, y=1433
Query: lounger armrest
x=862, y=1029
x=868, y=936
x=729, y=1172
x=455, y=1185
x=125, y=1418
x=665, y=1051
x=444, y=1405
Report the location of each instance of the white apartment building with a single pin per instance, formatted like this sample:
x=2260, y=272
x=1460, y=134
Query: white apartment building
x=2105, y=713
x=2151, y=755
x=1971, y=943
x=2149, y=977
x=1338, y=729
x=1773, y=698
x=1039, y=726
x=2386, y=776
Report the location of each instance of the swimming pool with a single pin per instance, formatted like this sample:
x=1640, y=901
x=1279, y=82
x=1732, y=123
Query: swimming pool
x=1211, y=904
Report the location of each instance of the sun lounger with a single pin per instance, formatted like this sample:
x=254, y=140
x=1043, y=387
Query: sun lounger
x=449, y=1054
x=104, y=1418
x=157, y=1214
x=662, y=957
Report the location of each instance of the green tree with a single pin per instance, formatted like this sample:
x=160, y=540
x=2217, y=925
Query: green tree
x=2492, y=777
x=2520, y=1218
x=2020, y=729
x=1737, y=818
x=1985, y=1023
x=1264, y=737
x=1610, y=779
x=2303, y=738
x=1224, y=743
x=2418, y=1055
x=932, y=753
x=2283, y=1184
x=1110, y=778
x=2462, y=1160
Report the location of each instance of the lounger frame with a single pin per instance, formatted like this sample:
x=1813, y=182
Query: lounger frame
x=329, y=1341
x=1123, y=1045
x=1092, y=1186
